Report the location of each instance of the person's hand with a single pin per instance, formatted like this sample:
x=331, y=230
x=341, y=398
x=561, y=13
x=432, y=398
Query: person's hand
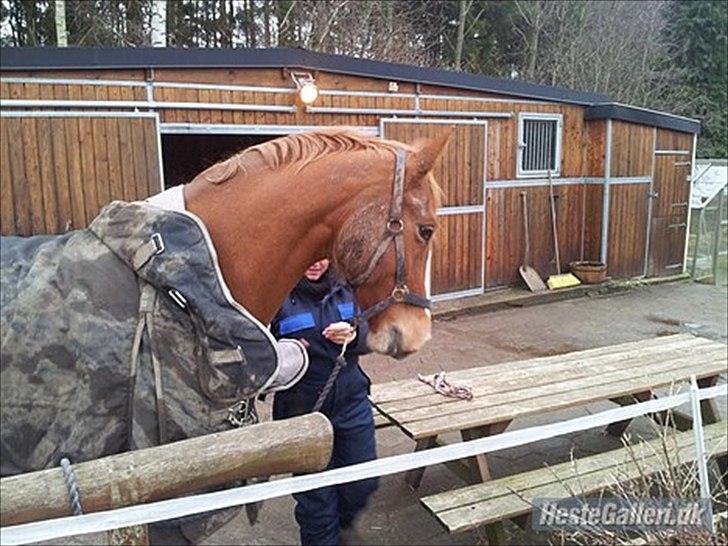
x=339, y=333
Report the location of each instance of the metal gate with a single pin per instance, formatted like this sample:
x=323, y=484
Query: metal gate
x=458, y=267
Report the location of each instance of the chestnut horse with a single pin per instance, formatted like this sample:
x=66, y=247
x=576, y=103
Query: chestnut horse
x=275, y=208
x=80, y=378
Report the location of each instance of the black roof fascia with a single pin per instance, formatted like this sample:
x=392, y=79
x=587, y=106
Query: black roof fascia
x=644, y=116
x=75, y=58
x=50, y=58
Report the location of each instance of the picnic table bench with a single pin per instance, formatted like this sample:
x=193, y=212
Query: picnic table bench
x=513, y=497
x=622, y=373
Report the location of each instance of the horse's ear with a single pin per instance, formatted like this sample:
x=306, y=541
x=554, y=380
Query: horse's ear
x=427, y=151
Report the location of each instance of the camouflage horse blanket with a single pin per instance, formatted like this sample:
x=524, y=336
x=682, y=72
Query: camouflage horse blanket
x=124, y=336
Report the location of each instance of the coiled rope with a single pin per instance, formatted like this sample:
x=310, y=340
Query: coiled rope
x=69, y=475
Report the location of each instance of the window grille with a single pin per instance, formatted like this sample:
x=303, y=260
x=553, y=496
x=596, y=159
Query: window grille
x=540, y=145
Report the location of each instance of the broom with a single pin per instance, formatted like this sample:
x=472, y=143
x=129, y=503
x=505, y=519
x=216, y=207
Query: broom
x=560, y=280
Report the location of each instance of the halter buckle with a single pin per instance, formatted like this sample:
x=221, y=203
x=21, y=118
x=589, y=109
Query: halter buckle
x=395, y=227
x=399, y=293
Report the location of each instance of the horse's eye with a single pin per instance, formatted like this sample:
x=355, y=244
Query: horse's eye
x=426, y=232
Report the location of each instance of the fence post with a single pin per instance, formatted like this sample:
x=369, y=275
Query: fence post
x=716, y=236
x=700, y=458
x=699, y=229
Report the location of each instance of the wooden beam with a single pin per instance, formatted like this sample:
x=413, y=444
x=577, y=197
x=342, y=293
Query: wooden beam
x=617, y=429
x=709, y=407
x=413, y=478
x=301, y=444
x=479, y=468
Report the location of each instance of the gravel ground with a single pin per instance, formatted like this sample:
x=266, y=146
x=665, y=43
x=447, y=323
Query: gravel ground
x=395, y=515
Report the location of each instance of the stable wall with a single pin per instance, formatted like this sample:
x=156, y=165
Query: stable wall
x=648, y=194
x=467, y=256
x=57, y=172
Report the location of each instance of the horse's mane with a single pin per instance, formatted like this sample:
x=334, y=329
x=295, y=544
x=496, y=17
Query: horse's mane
x=297, y=150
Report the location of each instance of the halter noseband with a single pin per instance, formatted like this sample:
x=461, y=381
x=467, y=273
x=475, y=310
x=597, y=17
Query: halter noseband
x=394, y=232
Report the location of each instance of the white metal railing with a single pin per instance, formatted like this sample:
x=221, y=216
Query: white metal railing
x=259, y=89
x=196, y=504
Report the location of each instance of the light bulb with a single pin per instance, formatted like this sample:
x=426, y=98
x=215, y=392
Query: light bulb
x=308, y=93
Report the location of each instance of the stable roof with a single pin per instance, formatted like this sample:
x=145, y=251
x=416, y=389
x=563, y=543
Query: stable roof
x=74, y=58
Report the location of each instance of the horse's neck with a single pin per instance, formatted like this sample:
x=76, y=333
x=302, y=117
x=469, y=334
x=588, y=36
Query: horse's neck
x=267, y=233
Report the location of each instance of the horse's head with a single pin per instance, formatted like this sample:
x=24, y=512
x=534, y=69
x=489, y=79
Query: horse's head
x=366, y=249
x=275, y=208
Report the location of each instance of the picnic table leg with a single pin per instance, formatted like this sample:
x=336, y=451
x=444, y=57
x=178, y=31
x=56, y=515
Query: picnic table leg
x=722, y=463
x=495, y=534
x=479, y=469
x=413, y=478
x=709, y=408
x=618, y=428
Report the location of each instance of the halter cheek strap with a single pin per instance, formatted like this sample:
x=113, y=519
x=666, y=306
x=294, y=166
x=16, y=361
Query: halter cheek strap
x=394, y=232
x=400, y=293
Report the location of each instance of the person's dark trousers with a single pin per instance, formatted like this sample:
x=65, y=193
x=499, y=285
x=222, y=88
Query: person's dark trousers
x=323, y=513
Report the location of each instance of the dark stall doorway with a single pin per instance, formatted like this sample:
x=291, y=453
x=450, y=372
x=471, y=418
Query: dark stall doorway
x=185, y=156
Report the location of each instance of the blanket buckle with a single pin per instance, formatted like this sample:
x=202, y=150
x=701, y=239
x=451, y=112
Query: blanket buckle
x=177, y=297
x=243, y=413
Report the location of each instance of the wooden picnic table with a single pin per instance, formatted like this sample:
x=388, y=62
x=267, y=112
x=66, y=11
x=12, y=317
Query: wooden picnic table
x=622, y=373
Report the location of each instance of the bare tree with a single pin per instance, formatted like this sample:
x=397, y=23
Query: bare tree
x=159, y=23
x=60, y=19
x=614, y=47
x=462, y=15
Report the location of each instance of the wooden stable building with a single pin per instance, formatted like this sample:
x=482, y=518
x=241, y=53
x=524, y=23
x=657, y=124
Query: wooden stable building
x=81, y=127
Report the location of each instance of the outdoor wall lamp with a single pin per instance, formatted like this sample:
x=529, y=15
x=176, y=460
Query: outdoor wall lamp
x=308, y=91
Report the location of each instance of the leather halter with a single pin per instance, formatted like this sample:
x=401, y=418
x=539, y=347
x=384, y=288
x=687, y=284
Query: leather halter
x=394, y=232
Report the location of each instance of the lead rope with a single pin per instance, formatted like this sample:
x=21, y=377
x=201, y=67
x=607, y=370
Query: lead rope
x=340, y=363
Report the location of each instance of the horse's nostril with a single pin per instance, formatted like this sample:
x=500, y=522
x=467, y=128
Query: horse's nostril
x=395, y=339
x=396, y=342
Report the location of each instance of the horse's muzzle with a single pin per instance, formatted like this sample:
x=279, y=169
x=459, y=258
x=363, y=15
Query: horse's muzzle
x=391, y=341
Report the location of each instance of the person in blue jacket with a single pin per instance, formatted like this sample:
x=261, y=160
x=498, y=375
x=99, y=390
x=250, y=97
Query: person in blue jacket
x=316, y=312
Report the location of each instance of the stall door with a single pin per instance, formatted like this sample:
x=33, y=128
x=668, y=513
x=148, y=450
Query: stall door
x=671, y=191
x=57, y=169
x=457, y=260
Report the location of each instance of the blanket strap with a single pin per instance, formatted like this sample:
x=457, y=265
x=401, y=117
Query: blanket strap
x=147, y=300
x=225, y=356
x=144, y=253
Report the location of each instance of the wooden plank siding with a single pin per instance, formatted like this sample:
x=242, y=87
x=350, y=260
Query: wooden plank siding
x=458, y=245
x=506, y=237
x=631, y=149
x=596, y=133
x=504, y=211
x=60, y=171
x=114, y=157
x=631, y=156
x=674, y=140
x=627, y=229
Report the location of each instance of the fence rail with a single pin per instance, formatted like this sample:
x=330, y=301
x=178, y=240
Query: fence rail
x=174, y=508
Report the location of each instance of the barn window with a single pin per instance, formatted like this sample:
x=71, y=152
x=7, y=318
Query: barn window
x=539, y=144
